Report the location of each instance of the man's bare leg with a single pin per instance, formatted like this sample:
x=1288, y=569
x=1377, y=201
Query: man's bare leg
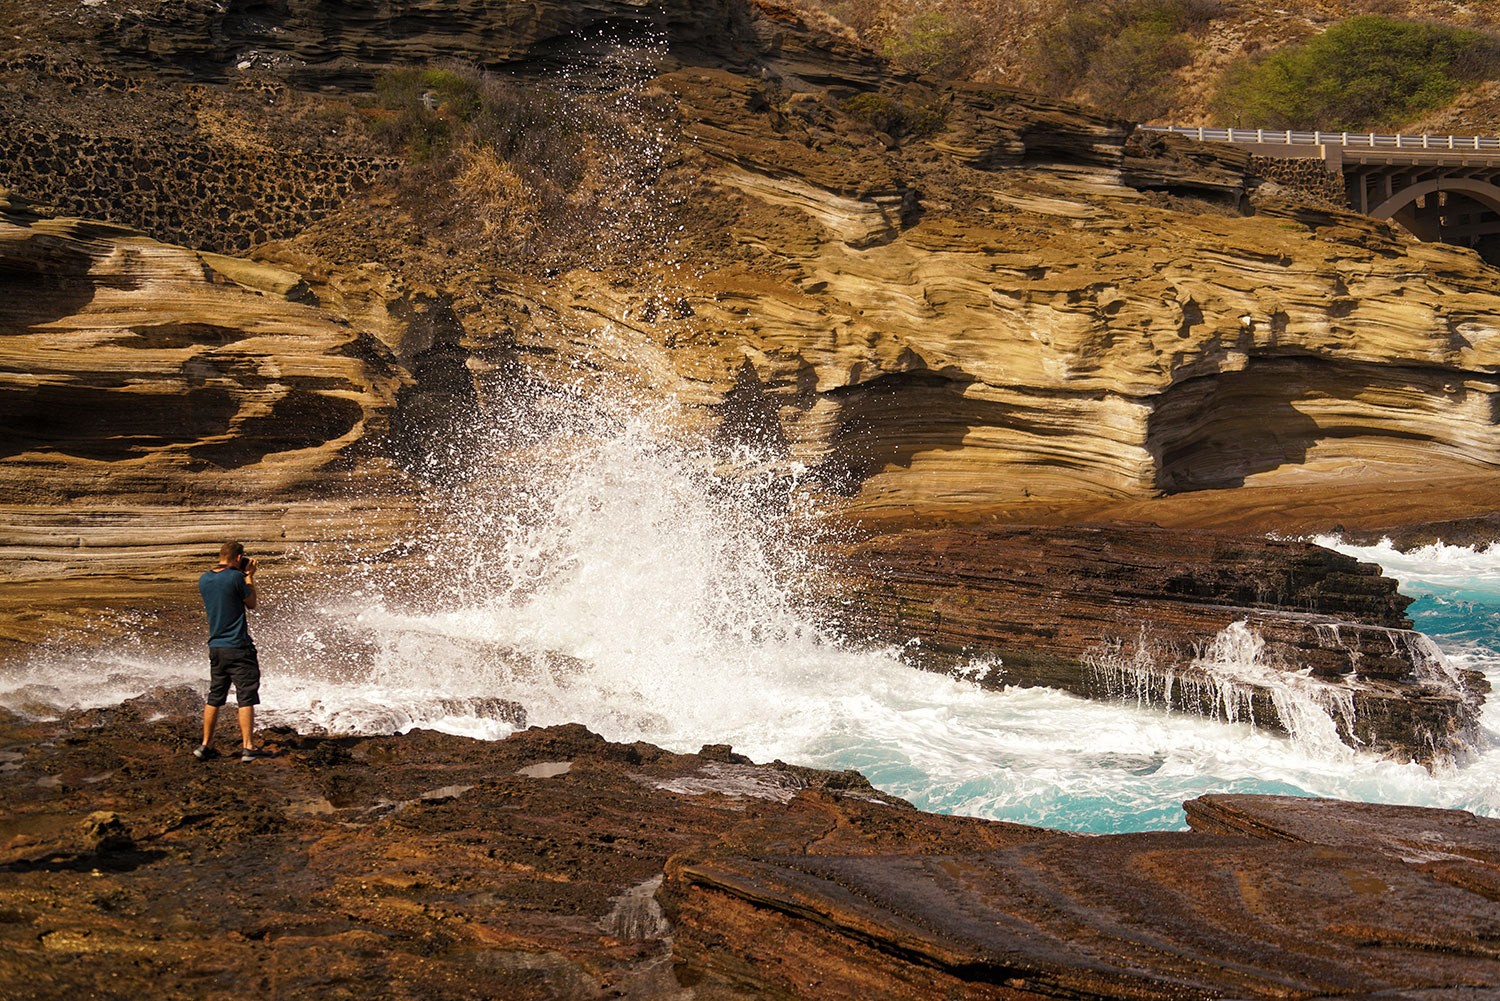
x=210, y=717
x=247, y=726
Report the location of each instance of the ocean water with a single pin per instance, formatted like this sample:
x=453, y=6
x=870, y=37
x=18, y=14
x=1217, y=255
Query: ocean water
x=609, y=575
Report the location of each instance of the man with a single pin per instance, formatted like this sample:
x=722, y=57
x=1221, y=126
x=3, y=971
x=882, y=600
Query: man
x=228, y=590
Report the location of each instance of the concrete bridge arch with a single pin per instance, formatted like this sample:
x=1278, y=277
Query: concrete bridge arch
x=1439, y=188
x=1481, y=191
x=1454, y=209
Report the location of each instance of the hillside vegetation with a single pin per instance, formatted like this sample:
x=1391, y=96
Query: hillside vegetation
x=1377, y=64
x=1365, y=72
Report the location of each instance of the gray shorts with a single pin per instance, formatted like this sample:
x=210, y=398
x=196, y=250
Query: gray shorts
x=233, y=664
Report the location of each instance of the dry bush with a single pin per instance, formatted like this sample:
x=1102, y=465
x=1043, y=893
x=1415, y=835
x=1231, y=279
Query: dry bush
x=505, y=207
x=1120, y=54
x=947, y=38
x=526, y=171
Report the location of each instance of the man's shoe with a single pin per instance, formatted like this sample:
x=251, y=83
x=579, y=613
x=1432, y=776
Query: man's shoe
x=251, y=753
x=203, y=752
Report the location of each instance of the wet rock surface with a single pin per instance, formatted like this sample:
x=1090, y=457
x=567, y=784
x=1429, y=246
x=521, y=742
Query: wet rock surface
x=1199, y=620
x=554, y=864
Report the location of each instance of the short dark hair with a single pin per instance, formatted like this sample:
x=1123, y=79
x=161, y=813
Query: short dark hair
x=230, y=551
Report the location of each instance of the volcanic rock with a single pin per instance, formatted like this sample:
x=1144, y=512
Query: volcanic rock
x=443, y=867
x=1279, y=632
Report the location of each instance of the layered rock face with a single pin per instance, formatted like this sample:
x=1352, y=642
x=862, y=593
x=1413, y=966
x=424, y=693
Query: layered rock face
x=141, y=370
x=1048, y=355
x=947, y=296
x=157, y=400
x=933, y=297
x=556, y=865
x=1281, y=633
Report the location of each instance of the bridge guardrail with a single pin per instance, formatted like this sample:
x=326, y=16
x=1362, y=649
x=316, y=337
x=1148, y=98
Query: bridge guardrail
x=1355, y=140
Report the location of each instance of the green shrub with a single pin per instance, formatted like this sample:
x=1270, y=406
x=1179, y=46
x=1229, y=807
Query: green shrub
x=1119, y=55
x=896, y=118
x=931, y=41
x=1362, y=73
x=419, y=109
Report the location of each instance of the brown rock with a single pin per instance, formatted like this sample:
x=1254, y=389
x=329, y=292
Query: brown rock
x=445, y=867
x=107, y=832
x=1196, y=620
x=997, y=302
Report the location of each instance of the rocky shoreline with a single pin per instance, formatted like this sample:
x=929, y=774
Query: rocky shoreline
x=1059, y=377
x=1224, y=626
x=557, y=865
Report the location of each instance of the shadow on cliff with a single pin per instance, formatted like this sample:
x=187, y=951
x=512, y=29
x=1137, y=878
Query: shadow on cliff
x=1214, y=431
x=105, y=424
x=41, y=280
x=887, y=421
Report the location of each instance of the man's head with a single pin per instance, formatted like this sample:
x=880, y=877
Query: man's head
x=230, y=553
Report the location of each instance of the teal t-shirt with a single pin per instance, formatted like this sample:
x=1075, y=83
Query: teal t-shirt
x=224, y=600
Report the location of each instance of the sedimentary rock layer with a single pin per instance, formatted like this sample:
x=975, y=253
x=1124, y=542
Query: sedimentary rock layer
x=947, y=295
x=1260, y=629
x=556, y=865
x=155, y=400
x=137, y=370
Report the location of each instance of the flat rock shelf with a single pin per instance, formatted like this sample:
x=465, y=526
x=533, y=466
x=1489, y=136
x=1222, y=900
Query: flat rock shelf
x=443, y=867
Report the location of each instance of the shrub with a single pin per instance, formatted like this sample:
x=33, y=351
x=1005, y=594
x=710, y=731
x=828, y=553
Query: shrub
x=1365, y=72
x=1132, y=74
x=504, y=205
x=894, y=117
x=930, y=41
x=519, y=169
x=1119, y=55
x=947, y=38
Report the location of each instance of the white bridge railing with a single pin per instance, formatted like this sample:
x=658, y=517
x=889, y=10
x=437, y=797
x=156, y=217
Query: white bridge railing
x=1363, y=140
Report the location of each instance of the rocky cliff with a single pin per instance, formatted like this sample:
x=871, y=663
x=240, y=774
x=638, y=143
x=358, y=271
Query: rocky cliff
x=1279, y=633
x=937, y=298
x=947, y=296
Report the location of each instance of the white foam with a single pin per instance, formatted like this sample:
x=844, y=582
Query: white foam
x=611, y=578
x=1466, y=569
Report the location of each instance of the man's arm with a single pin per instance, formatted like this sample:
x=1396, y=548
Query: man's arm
x=249, y=572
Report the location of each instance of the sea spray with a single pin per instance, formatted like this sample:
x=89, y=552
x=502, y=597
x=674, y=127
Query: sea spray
x=1231, y=679
x=1238, y=664
x=635, y=590
x=594, y=634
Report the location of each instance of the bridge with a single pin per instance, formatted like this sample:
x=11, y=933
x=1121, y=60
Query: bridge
x=1438, y=188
